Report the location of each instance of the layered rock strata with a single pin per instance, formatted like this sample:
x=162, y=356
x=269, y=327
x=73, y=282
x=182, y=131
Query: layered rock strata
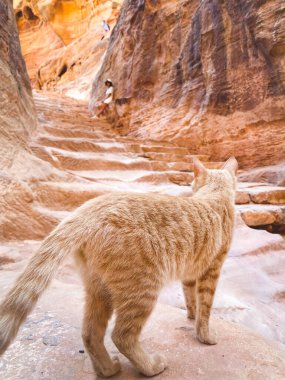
x=17, y=117
x=208, y=75
x=59, y=39
x=18, y=122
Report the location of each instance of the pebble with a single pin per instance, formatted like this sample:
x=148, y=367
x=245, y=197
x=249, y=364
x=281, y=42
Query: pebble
x=81, y=351
x=50, y=340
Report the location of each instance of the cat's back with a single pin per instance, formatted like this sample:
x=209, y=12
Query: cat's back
x=137, y=228
x=142, y=210
x=136, y=208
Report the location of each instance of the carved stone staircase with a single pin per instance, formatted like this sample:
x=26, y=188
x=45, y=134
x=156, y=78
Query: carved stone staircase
x=100, y=161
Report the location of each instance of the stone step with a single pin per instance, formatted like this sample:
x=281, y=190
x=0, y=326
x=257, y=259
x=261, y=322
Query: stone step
x=57, y=215
x=78, y=122
x=260, y=216
x=260, y=194
x=92, y=145
x=164, y=149
x=81, y=145
x=268, y=195
x=101, y=161
x=173, y=157
x=62, y=196
x=101, y=136
x=179, y=178
x=78, y=133
x=96, y=161
x=44, y=154
x=87, y=145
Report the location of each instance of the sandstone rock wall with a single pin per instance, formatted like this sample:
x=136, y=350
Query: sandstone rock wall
x=72, y=69
x=18, y=122
x=38, y=38
x=209, y=75
x=17, y=117
x=47, y=27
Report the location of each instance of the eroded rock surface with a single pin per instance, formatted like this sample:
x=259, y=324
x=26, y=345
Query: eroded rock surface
x=48, y=344
x=18, y=122
x=17, y=117
x=208, y=75
x=74, y=41
x=274, y=174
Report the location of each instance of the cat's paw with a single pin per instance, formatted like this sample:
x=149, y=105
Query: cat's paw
x=111, y=371
x=158, y=365
x=116, y=365
x=206, y=337
x=191, y=314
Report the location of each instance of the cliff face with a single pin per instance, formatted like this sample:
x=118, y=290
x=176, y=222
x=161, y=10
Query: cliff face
x=58, y=38
x=38, y=38
x=18, y=122
x=209, y=75
x=17, y=116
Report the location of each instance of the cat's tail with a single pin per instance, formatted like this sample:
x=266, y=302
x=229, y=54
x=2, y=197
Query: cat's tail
x=23, y=296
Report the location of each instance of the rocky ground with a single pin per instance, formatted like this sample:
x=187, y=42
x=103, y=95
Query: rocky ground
x=49, y=344
x=95, y=159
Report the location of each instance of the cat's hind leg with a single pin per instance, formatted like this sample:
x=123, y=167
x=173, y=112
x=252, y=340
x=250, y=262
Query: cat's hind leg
x=98, y=310
x=189, y=289
x=132, y=314
x=206, y=288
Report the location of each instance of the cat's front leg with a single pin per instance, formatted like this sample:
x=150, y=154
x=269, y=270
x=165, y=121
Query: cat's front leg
x=189, y=289
x=206, y=287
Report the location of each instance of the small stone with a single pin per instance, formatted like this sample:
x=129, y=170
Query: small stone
x=242, y=197
x=81, y=351
x=184, y=328
x=50, y=340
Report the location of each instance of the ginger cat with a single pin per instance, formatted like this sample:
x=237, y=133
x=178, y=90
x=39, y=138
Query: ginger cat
x=129, y=246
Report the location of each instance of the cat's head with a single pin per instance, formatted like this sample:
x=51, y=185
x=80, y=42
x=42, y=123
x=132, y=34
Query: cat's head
x=222, y=178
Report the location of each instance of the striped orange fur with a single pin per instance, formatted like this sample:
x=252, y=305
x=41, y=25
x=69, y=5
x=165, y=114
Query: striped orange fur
x=128, y=247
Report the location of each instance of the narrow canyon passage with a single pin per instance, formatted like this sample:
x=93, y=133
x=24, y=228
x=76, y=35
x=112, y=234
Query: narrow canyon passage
x=191, y=79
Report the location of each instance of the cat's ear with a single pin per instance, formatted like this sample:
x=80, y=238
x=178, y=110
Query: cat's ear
x=199, y=168
x=231, y=165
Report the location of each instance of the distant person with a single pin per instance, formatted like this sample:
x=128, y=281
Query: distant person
x=106, y=28
x=108, y=99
